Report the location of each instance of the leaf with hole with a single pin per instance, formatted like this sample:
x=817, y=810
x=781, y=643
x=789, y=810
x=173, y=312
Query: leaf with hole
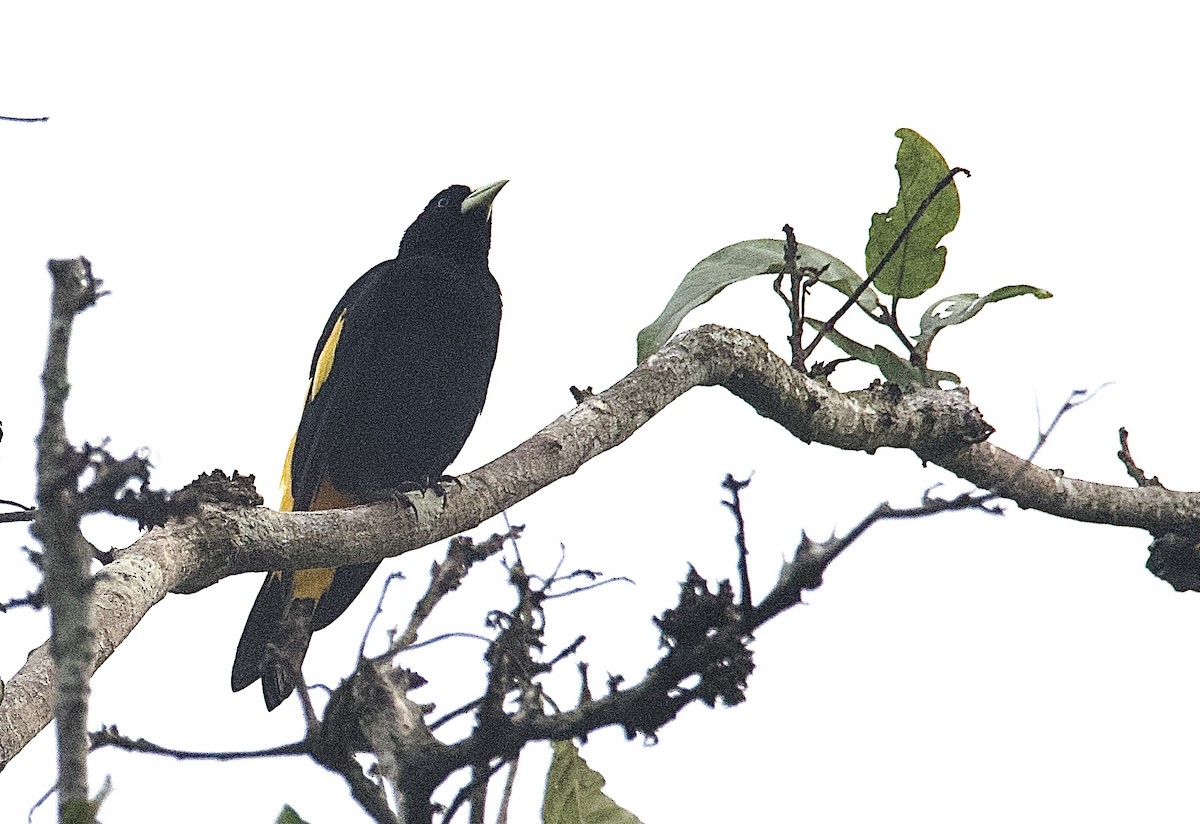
x=957, y=309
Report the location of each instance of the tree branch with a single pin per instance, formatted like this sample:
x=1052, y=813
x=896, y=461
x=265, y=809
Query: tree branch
x=941, y=427
x=68, y=579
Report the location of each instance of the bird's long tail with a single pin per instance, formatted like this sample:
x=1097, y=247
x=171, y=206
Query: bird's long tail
x=275, y=640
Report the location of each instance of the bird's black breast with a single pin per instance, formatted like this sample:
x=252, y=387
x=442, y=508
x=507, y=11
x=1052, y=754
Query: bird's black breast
x=410, y=372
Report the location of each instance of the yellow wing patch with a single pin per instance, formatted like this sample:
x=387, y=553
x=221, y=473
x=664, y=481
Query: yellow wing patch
x=313, y=583
x=288, y=503
x=320, y=374
x=325, y=359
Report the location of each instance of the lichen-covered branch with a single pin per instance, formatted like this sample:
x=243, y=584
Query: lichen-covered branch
x=67, y=567
x=224, y=539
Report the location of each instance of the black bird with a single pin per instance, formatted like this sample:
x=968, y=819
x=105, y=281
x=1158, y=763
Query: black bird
x=397, y=380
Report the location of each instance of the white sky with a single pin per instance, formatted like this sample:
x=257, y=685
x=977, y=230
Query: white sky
x=231, y=170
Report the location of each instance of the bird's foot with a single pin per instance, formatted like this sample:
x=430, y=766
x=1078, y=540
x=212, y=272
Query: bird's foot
x=401, y=492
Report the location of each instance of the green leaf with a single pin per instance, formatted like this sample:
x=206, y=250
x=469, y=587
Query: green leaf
x=289, y=816
x=918, y=263
x=838, y=275
x=938, y=376
x=79, y=811
x=895, y=368
x=573, y=793
x=85, y=811
x=738, y=262
x=892, y=366
x=851, y=347
x=959, y=308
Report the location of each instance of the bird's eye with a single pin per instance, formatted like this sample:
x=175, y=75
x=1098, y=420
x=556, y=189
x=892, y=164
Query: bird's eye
x=443, y=202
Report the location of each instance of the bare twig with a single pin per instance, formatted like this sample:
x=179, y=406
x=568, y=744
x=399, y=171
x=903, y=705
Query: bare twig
x=566, y=593
x=479, y=780
x=794, y=301
x=807, y=568
x=1125, y=456
x=455, y=713
x=439, y=638
x=734, y=505
x=1078, y=397
x=35, y=599
x=369, y=795
x=362, y=645
x=465, y=793
x=506, y=797
x=446, y=577
x=110, y=736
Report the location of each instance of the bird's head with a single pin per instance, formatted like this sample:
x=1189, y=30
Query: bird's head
x=457, y=223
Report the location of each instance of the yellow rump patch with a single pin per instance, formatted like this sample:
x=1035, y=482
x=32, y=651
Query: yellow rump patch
x=311, y=583
x=325, y=359
x=329, y=498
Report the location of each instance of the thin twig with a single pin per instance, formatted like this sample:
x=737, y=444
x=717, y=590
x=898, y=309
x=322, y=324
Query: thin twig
x=1125, y=456
x=735, y=488
x=109, y=736
x=362, y=646
x=35, y=599
x=435, y=639
x=506, y=797
x=586, y=587
x=445, y=577
x=795, y=314
x=806, y=569
x=465, y=793
x=464, y=709
x=1078, y=397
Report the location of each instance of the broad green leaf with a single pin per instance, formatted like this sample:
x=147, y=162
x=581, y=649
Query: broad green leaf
x=959, y=308
x=738, y=262
x=573, y=792
x=851, y=347
x=838, y=275
x=898, y=370
x=918, y=263
x=895, y=368
x=289, y=816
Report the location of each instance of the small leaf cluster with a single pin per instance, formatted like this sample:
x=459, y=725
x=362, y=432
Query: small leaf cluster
x=904, y=260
